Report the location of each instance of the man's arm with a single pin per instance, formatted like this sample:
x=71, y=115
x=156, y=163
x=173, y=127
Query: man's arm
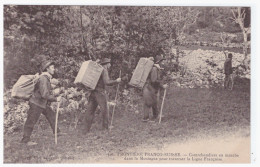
x=45, y=92
x=106, y=79
x=225, y=54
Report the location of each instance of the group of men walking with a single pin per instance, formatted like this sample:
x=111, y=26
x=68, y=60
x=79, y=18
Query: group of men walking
x=42, y=97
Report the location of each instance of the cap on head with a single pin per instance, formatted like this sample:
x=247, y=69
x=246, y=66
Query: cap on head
x=46, y=64
x=105, y=61
x=159, y=58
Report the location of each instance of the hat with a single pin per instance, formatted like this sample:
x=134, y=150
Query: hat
x=46, y=64
x=159, y=58
x=105, y=61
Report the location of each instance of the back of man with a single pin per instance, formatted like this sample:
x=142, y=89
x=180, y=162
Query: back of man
x=42, y=90
x=101, y=82
x=98, y=97
x=228, y=67
x=151, y=88
x=228, y=71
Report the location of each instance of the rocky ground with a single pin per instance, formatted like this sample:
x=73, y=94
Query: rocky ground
x=205, y=68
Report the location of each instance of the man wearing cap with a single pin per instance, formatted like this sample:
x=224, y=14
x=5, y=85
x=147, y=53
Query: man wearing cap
x=40, y=102
x=228, y=71
x=98, y=97
x=151, y=88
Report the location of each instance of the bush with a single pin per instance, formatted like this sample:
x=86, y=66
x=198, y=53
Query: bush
x=192, y=29
x=15, y=112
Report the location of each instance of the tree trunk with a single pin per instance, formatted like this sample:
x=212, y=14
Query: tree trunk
x=245, y=47
x=239, y=17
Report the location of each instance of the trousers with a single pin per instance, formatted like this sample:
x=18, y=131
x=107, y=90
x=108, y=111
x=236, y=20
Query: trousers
x=96, y=98
x=33, y=115
x=151, y=98
x=227, y=81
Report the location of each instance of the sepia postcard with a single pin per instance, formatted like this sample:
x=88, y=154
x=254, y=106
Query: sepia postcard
x=127, y=84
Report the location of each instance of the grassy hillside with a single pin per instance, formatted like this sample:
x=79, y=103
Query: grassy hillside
x=190, y=114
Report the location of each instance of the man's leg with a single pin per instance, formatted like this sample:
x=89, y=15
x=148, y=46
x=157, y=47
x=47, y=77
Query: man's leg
x=226, y=81
x=146, y=109
x=102, y=102
x=34, y=113
x=155, y=110
x=147, y=101
x=51, y=117
x=232, y=78
x=90, y=113
x=229, y=85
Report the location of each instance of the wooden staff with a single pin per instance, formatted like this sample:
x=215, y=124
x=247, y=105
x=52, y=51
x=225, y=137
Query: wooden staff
x=164, y=94
x=110, y=127
x=56, y=122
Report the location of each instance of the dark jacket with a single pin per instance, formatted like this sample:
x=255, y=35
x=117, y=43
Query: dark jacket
x=154, y=78
x=228, y=67
x=104, y=80
x=42, y=92
x=153, y=84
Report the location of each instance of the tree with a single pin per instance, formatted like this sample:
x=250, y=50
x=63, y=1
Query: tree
x=239, y=15
x=28, y=31
x=70, y=35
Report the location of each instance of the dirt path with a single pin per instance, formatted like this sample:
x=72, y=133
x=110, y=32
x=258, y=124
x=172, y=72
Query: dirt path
x=207, y=149
x=204, y=150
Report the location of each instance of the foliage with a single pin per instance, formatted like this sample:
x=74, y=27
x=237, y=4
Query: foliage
x=15, y=112
x=28, y=31
x=74, y=103
x=70, y=35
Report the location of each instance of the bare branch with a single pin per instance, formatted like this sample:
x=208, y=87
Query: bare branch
x=233, y=19
x=248, y=30
x=243, y=14
x=234, y=14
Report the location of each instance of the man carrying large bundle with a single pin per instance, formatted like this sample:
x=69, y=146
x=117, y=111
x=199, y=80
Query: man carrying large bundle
x=98, y=97
x=151, y=88
x=40, y=102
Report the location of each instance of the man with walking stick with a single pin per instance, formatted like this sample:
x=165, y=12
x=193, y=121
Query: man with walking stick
x=40, y=102
x=98, y=97
x=150, y=92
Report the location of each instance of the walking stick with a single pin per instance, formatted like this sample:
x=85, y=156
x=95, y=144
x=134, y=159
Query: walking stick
x=107, y=106
x=164, y=94
x=56, y=122
x=110, y=127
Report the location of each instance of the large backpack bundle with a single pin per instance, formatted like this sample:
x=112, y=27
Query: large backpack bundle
x=24, y=87
x=141, y=72
x=89, y=74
